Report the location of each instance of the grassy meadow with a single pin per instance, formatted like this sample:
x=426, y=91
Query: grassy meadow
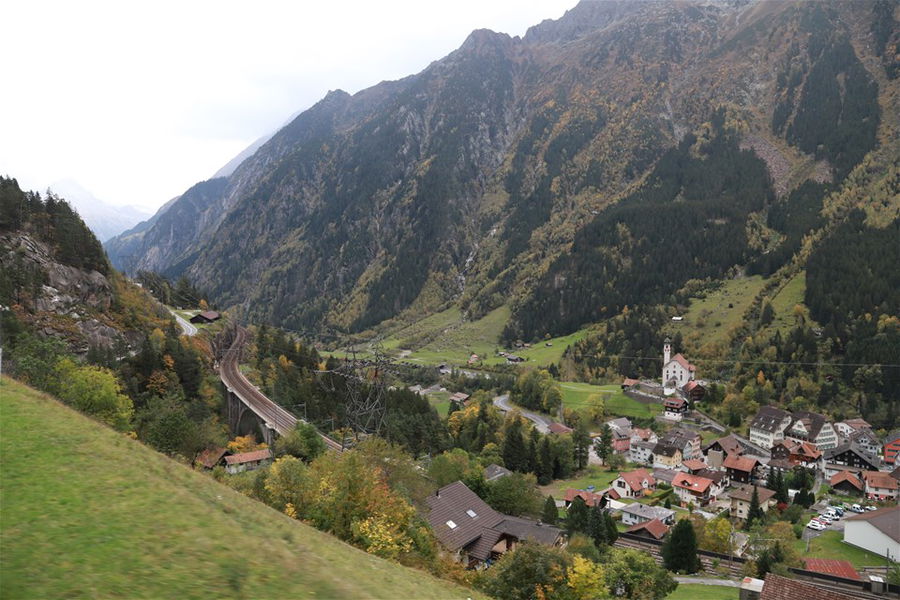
x=90, y=513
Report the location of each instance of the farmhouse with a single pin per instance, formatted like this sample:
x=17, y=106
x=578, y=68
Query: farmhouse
x=474, y=532
x=847, y=483
x=892, y=447
x=741, y=469
x=634, y=484
x=852, y=455
x=880, y=485
x=692, y=488
x=248, y=461
x=812, y=427
x=207, y=316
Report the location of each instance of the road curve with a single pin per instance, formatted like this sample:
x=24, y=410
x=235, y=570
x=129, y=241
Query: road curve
x=185, y=325
x=274, y=416
x=541, y=422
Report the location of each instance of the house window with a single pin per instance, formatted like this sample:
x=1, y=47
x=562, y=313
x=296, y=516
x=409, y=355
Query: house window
x=471, y=513
x=451, y=524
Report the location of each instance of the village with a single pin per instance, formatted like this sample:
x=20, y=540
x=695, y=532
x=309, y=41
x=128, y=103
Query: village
x=842, y=477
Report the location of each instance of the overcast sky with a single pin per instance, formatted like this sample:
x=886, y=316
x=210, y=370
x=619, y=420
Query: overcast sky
x=137, y=102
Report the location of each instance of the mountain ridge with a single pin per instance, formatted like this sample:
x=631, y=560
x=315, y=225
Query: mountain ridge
x=464, y=182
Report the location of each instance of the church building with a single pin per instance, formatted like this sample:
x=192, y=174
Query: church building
x=676, y=370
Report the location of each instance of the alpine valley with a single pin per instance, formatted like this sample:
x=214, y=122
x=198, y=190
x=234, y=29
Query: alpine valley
x=629, y=154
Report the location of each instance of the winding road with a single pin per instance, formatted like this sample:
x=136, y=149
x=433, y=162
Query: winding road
x=272, y=414
x=185, y=325
x=541, y=422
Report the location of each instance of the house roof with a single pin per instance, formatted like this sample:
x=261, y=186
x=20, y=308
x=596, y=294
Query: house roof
x=693, y=483
x=850, y=446
x=620, y=423
x=674, y=402
x=654, y=527
x=680, y=437
x=847, y=476
x=245, y=457
x=495, y=471
x=729, y=444
x=208, y=315
x=635, y=478
x=694, y=464
x=459, y=397
x=740, y=463
x=857, y=424
x=449, y=505
x=714, y=476
x=690, y=385
x=666, y=475
x=831, y=566
x=769, y=418
x=649, y=512
x=559, y=428
x=644, y=434
x=896, y=473
x=886, y=520
x=745, y=493
x=211, y=457
x=590, y=498
x=628, y=382
x=526, y=529
x=782, y=588
x=880, y=479
x=892, y=437
x=665, y=449
x=812, y=422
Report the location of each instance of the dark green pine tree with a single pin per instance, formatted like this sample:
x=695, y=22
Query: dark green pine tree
x=768, y=558
x=755, y=513
x=550, y=514
x=597, y=527
x=515, y=453
x=612, y=532
x=679, y=551
x=603, y=444
x=454, y=406
x=545, y=462
x=577, y=516
x=581, y=440
x=533, y=443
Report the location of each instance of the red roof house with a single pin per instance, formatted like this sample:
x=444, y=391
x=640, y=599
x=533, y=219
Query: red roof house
x=653, y=528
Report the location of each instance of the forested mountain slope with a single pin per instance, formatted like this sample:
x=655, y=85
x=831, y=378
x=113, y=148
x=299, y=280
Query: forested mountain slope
x=602, y=160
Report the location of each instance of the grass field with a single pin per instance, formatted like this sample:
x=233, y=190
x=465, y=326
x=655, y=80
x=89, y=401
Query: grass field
x=831, y=545
x=594, y=475
x=785, y=300
x=446, y=337
x=575, y=396
x=695, y=591
x=708, y=320
x=89, y=513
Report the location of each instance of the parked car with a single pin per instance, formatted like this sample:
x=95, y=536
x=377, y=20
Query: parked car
x=839, y=510
x=831, y=514
x=815, y=525
x=856, y=508
x=871, y=508
x=824, y=518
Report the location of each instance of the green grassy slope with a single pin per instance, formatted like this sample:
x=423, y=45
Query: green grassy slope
x=89, y=513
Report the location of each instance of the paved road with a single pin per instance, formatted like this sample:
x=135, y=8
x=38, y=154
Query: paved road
x=708, y=581
x=541, y=422
x=275, y=416
x=185, y=325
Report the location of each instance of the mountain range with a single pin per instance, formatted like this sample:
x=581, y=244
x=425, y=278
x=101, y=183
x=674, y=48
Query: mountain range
x=604, y=159
x=104, y=219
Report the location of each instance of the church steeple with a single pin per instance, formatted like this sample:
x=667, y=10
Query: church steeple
x=667, y=351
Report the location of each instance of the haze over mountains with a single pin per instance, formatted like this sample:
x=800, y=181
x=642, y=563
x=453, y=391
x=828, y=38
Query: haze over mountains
x=104, y=219
x=604, y=159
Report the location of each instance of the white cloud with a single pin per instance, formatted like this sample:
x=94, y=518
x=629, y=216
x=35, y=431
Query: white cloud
x=138, y=102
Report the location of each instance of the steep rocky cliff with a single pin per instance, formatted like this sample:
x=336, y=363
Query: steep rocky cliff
x=470, y=181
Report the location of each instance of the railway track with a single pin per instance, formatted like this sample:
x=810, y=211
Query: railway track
x=271, y=413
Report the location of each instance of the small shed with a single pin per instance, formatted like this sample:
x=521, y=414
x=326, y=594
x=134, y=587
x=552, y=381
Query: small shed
x=206, y=316
x=248, y=461
x=209, y=459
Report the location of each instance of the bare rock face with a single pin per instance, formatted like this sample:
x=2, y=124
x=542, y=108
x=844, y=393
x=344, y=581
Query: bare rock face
x=65, y=302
